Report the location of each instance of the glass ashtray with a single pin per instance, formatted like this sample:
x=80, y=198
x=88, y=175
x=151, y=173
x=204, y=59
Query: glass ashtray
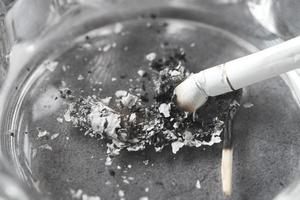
x=90, y=47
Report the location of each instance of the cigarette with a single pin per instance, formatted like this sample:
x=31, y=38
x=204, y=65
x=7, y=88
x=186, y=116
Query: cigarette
x=239, y=73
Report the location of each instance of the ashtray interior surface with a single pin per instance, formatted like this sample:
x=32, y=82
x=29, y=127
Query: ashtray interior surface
x=266, y=141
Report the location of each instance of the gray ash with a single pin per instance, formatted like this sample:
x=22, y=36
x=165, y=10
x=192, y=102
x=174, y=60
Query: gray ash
x=66, y=93
x=146, y=114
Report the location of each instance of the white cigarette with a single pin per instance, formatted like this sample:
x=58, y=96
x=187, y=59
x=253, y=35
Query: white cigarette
x=238, y=73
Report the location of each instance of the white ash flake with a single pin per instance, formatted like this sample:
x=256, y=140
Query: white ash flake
x=43, y=133
x=165, y=109
x=113, y=124
x=64, y=68
x=102, y=119
x=127, y=179
x=121, y=193
x=176, y=125
x=63, y=83
x=86, y=197
x=79, y=194
x=146, y=189
x=175, y=73
x=188, y=140
x=158, y=149
x=50, y=65
x=108, y=161
x=97, y=121
x=151, y=56
x=76, y=194
x=198, y=185
x=118, y=28
x=235, y=103
x=192, y=44
x=128, y=100
x=143, y=198
x=106, y=100
x=214, y=139
x=135, y=148
x=176, y=146
x=86, y=46
x=129, y=166
x=60, y=120
x=113, y=79
x=67, y=116
x=107, y=183
x=132, y=117
x=121, y=93
x=146, y=162
x=106, y=48
x=54, y=136
x=46, y=146
x=80, y=77
x=248, y=105
x=141, y=73
x=111, y=150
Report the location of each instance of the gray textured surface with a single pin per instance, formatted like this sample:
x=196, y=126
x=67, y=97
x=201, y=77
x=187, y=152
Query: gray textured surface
x=267, y=142
x=266, y=159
